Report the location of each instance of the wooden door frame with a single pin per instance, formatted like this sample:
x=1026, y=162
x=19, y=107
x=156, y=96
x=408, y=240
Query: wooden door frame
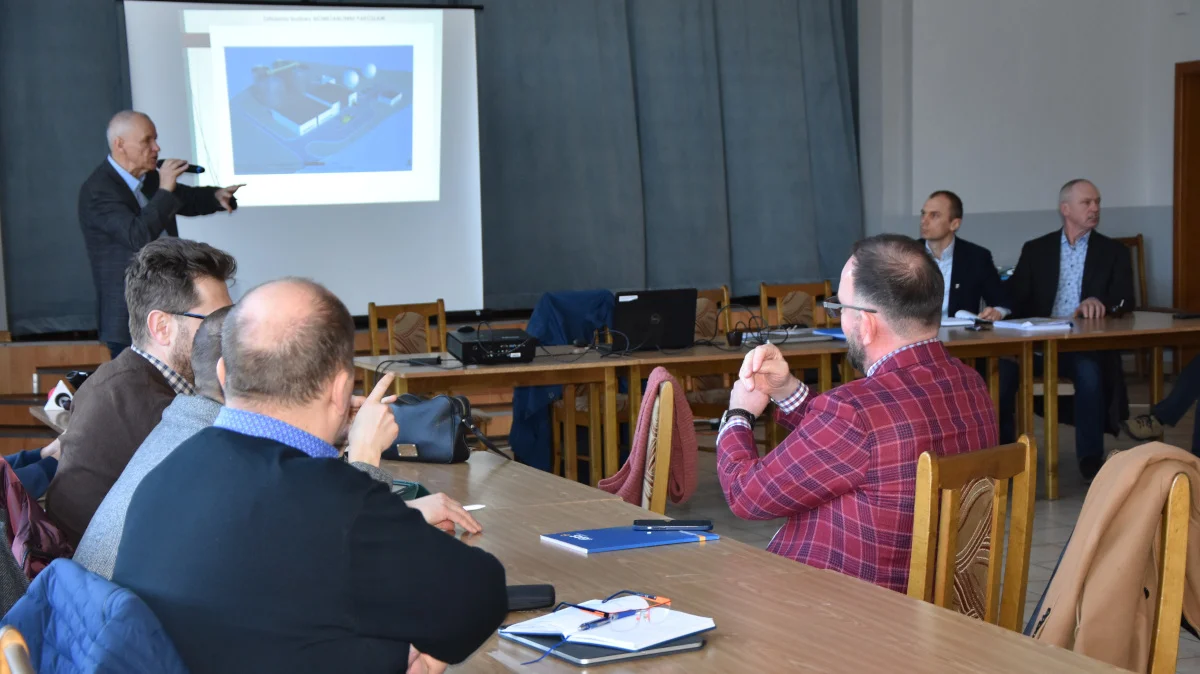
x=1183, y=72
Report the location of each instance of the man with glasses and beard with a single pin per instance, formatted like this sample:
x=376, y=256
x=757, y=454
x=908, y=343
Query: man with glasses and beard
x=170, y=287
x=845, y=475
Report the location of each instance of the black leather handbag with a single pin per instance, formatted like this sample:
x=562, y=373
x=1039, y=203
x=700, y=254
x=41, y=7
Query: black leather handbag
x=435, y=430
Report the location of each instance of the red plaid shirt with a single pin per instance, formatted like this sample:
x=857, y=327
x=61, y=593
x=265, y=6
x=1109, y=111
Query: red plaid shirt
x=845, y=476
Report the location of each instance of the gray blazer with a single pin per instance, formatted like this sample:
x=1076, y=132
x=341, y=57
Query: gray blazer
x=115, y=228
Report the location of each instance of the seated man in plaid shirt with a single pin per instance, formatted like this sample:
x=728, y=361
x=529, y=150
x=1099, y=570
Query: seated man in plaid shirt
x=845, y=475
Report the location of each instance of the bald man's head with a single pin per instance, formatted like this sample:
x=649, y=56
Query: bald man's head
x=133, y=142
x=285, y=342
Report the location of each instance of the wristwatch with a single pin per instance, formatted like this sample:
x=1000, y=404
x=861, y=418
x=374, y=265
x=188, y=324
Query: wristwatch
x=729, y=414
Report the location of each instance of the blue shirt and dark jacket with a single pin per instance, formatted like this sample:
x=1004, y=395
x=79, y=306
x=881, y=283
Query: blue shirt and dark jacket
x=257, y=553
x=1052, y=277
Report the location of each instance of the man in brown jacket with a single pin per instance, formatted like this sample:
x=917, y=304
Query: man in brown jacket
x=170, y=287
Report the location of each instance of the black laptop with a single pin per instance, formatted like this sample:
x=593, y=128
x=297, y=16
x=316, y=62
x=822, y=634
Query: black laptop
x=648, y=320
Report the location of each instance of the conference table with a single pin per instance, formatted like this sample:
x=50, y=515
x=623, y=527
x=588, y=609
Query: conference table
x=1137, y=330
x=772, y=614
x=572, y=367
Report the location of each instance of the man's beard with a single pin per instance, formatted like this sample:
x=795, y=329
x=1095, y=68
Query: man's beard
x=855, y=352
x=181, y=355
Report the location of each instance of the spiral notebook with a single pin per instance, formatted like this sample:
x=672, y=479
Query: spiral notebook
x=564, y=625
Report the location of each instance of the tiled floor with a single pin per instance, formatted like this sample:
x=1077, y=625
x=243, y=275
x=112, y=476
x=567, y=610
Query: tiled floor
x=1053, y=521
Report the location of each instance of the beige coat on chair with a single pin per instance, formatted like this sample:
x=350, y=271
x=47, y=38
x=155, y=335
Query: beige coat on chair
x=1102, y=600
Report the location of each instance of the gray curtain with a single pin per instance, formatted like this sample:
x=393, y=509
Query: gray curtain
x=665, y=143
x=624, y=144
x=64, y=75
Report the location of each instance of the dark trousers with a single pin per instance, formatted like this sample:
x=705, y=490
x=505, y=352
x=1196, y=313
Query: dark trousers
x=33, y=471
x=1186, y=391
x=1084, y=371
x=115, y=348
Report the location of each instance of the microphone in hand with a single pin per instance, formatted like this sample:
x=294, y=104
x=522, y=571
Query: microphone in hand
x=191, y=168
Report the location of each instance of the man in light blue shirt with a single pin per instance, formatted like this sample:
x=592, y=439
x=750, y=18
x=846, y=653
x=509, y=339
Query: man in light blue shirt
x=1080, y=273
x=129, y=201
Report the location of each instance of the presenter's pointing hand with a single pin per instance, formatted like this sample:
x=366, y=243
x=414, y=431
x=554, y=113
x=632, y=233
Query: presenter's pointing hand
x=225, y=194
x=169, y=172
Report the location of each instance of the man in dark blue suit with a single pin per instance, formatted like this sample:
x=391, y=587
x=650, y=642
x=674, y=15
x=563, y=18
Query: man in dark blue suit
x=971, y=278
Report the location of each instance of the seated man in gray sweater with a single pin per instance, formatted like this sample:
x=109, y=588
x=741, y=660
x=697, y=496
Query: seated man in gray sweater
x=183, y=418
x=188, y=415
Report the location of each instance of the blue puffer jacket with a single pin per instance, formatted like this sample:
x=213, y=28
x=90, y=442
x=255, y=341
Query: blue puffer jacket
x=559, y=318
x=75, y=621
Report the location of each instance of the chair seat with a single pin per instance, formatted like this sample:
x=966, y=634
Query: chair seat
x=581, y=403
x=710, y=396
x=1065, y=388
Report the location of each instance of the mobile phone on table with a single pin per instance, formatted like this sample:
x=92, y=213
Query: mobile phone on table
x=672, y=525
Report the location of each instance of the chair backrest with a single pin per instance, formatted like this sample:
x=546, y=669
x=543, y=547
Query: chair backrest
x=712, y=313
x=817, y=291
x=940, y=484
x=1172, y=567
x=658, y=450
x=15, y=654
x=408, y=328
x=1137, y=249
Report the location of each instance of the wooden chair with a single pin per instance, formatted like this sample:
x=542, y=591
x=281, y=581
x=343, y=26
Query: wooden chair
x=935, y=546
x=405, y=331
x=585, y=413
x=703, y=392
x=658, y=450
x=1172, y=568
x=16, y=652
x=1137, y=251
x=817, y=291
x=781, y=293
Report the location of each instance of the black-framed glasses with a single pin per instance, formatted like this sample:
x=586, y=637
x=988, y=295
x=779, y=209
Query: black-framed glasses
x=834, y=308
x=187, y=314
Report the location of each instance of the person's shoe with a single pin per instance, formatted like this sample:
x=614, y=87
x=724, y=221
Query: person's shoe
x=1089, y=466
x=1143, y=427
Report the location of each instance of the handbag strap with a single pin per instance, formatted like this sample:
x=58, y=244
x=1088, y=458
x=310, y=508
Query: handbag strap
x=464, y=408
x=491, y=446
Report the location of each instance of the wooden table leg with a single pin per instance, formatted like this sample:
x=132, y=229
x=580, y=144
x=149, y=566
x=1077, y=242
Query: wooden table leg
x=1026, y=401
x=993, y=369
x=847, y=370
x=595, y=466
x=825, y=373
x=1050, y=396
x=612, y=429
x=570, y=443
x=635, y=399
x=1156, y=375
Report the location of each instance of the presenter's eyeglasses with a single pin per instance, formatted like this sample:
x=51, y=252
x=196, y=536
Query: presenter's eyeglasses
x=188, y=314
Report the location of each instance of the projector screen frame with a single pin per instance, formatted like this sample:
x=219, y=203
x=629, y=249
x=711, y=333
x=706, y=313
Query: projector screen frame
x=318, y=3
x=469, y=308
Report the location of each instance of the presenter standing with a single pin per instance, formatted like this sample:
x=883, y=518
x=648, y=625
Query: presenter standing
x=128, y=202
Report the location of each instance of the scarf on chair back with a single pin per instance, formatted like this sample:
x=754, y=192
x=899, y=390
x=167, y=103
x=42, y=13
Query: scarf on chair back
x=627, y=483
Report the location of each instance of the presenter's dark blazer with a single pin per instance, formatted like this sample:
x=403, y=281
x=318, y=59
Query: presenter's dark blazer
x=115, y=228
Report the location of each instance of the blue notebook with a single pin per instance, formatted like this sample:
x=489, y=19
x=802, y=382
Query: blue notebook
x=835, y=333
x=623, y=538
